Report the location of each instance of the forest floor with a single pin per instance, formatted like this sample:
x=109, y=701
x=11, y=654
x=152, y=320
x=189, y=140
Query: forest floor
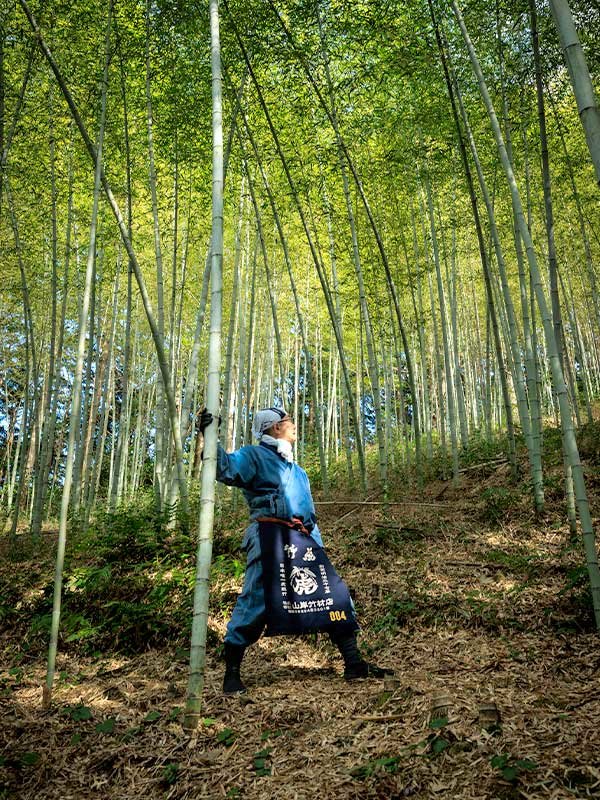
x=459, y=589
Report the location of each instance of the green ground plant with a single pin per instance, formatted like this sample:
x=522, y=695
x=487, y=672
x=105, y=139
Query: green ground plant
x=128, y=585
x=497, y=502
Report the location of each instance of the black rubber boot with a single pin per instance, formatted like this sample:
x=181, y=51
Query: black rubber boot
x=355, y=667
x=232, y=682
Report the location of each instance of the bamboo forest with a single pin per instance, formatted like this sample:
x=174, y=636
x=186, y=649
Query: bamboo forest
x=299, y=399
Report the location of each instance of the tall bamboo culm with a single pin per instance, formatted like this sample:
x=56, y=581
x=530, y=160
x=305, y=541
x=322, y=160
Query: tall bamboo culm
x=589, y=113
x=560, y=388
x=76, y=394
x=209, y=469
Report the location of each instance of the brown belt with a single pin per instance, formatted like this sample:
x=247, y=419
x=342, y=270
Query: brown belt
x=295, y=523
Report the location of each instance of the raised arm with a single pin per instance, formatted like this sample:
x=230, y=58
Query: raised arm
x=237, y=468
x=233, y=469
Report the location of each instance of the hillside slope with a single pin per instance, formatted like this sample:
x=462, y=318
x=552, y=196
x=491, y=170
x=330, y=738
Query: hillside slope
x=460, y=590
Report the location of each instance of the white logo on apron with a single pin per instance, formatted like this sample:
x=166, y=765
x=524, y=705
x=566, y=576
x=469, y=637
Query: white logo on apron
x=303, y=580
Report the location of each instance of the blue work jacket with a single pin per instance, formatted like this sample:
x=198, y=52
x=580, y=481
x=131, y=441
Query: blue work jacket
x=272, y=486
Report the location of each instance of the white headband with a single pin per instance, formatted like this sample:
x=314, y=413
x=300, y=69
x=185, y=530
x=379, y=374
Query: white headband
x=265, y=419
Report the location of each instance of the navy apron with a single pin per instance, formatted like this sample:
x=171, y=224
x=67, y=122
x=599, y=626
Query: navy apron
x=303, y=592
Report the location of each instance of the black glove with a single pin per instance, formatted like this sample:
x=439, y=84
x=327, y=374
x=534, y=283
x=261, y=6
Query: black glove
x=205, y=419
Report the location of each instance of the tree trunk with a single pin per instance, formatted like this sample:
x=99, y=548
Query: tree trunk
x=444, y=325
x=160, y=462
x=589, y=113
x=373, y=367
x=455, y=97
x=207, y=496
x=30, y=375
x=158, y=343
x=76, y=391
x=41, y=470
x=546, y=183
x=557, y=376
x=311, y=244
x=120, y=459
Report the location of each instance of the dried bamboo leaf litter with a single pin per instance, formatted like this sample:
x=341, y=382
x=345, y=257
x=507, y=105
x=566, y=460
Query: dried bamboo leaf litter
x=440, y=602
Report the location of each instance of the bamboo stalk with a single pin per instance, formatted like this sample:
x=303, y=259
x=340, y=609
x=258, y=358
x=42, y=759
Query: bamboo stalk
x=571, y=448
x=207, y=496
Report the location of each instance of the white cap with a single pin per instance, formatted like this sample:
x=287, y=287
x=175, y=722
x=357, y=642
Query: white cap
x=265, y=419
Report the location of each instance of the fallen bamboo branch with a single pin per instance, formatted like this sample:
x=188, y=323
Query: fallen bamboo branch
x=388, y=718
x=495, y=462
x=358, y=503
x=492, y=565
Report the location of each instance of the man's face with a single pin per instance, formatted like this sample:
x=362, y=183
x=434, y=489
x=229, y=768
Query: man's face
x=286, y=429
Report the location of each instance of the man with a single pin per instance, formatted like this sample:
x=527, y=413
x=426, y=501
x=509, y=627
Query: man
x=276, y=490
